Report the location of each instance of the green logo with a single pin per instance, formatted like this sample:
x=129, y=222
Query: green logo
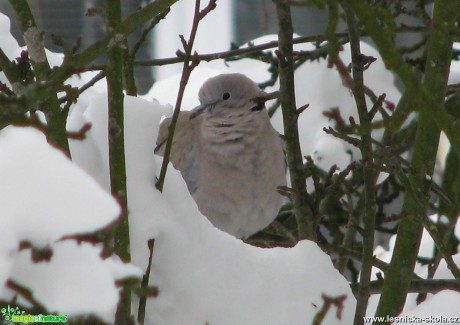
x=16, y=315
x=9, y=312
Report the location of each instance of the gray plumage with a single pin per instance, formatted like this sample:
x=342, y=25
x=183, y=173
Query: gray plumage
x=229, y=155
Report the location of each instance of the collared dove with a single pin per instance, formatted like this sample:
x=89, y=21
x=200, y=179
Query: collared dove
x=230, y=156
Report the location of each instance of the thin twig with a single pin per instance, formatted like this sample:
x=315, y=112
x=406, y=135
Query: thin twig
x=116, y=142
x=40, y=92
x=306, y=225
x=145, y=284
x=241, y=51
x=86, y=86
x=11, y=72
x=356, y=255
x=34, y=39
x=369, y=173
x=350, y=234
x=189, y=64
x=328, y=302
x=147, y=30
x=27, y=294
x=80, y=134
x=428, y=98
x=416, y=286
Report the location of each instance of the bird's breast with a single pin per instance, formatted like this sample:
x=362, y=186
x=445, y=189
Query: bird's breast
x=238, y=183
x=231, y=135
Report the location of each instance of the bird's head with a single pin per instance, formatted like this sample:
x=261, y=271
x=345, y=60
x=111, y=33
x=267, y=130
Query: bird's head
x=228, y=94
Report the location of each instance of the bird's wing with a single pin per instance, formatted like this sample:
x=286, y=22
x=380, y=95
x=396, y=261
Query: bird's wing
x=183, y=152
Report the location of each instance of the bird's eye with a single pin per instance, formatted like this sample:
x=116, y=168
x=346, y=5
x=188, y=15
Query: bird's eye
x=225, y=96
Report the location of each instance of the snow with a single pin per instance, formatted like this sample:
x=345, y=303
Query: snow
x=76, y=281
x=31, y=169
x=203, y=275
x=44, y=198
x=324, y=154
x=209, y=39
x=454, y=75
x=11, y=48
x=322, y=89
x=435, y=307
x=165, y=90
x=191, y=257
x=442, y=304
x=432, y=306
x=9, y=44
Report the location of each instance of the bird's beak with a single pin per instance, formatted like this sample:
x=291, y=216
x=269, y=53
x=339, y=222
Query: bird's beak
x=200, y=109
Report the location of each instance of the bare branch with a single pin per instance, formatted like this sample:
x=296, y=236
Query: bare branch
x=147, y=30
x=189, y=64
x=241, y=51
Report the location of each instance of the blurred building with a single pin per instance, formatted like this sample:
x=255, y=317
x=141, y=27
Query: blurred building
x=236, y=21
x=233, y=21
x=69, y=20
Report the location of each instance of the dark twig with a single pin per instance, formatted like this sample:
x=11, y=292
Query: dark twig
x=266, y=97
x=350, y=233
x=356, y=255
x=86, y=86
x=428, y=97
x=38, y=93
x=369, y=173
x=189, y=64
x=11, y=72
x=328, y=303
x=241, y=51
x=147, y=30
x=34, y=39
x=416, y=286
x=80, y=134
x=27, y=294
x=145, y=284
x=117, y=158
x=306, y=226
x=301, y=109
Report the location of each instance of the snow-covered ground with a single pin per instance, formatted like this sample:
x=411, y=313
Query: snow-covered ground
x=203, y=275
